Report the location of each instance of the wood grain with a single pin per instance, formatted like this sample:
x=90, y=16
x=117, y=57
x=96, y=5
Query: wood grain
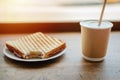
x=70, y=66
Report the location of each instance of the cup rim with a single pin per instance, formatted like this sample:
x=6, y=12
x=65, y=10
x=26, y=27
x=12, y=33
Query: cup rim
x=82, y=24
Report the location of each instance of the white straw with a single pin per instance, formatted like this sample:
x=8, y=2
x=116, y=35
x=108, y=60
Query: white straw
x=101, y=16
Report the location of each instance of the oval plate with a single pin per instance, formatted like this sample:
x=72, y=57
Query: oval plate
x=12, y=56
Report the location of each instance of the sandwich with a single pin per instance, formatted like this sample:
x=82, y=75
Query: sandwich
x=36, y=45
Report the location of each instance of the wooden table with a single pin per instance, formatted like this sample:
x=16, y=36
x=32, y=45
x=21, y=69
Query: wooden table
x=70, y=66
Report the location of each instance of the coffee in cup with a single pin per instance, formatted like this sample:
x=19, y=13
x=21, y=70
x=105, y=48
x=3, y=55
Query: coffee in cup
x=95, y=39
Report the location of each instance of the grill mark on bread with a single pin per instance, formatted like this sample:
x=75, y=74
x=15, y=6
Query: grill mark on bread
x=33, y=42
x=49, y=41
x=28, y=44
x=31, y=47
x=42, y=44
x=18, y=48
x=24, y=45
x=20, y=44
x=45, y=42
x=17, y=45
x=16, y=51
x=57, y=40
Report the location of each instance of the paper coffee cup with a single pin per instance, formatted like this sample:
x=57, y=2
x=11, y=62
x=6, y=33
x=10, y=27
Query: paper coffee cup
x=95, y=39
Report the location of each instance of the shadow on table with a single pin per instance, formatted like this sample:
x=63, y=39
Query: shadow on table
x=37, y=64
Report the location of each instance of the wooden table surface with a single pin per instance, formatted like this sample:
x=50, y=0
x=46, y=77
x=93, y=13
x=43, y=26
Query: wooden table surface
x=70, y=66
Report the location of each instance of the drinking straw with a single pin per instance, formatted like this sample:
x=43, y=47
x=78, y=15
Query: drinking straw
x=101, y=16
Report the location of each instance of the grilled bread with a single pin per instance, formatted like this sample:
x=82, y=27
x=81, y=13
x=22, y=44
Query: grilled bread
x=36, y=45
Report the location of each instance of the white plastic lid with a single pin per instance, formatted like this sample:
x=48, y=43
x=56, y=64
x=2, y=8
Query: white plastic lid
x=94, y=24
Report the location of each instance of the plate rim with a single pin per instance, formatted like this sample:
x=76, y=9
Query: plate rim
x=10, y=55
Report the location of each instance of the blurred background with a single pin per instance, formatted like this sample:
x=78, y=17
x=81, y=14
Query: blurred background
x=54, y=10
x=60, y=12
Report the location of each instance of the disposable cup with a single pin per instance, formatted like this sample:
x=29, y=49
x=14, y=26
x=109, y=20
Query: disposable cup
x=95, y=39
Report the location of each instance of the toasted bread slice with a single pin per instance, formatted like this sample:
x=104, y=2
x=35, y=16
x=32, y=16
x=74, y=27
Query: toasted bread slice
x=37, y=45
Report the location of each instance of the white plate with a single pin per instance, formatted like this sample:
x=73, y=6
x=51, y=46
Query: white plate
x=12, y=56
